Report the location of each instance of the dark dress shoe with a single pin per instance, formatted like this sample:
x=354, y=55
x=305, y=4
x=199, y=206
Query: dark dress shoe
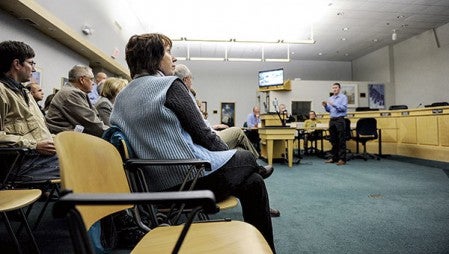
x=274, y=212
x=330, y=161
x=266, y=171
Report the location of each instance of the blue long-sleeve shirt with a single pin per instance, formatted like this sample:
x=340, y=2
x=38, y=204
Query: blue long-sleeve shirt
x=339, y=107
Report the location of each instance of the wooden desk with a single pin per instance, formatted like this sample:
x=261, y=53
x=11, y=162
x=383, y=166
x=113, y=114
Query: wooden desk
x=419, y=133
x=272, y=136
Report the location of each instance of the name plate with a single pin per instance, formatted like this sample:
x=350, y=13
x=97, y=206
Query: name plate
x=385, y=114
x=405, y=113
x=437, y=111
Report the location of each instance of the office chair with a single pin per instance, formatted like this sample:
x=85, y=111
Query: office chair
x=439, y=104
x=92, y=169
x=365, y=131
x=397, y=107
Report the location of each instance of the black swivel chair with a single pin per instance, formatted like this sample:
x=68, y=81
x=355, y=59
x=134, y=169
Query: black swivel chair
x=365, y=131
x=439, y=104
x=397, y=107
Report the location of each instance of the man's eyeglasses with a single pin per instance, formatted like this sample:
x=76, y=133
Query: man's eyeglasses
x=32, y=63
x=90, y=78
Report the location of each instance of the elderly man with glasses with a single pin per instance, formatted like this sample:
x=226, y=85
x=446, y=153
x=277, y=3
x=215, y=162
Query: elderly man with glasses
x=71, y=107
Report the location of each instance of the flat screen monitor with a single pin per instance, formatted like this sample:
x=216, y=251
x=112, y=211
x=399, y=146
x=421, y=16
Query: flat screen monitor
x=271, y=77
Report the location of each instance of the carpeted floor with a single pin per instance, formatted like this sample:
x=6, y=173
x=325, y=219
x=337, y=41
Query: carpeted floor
x=386, y=206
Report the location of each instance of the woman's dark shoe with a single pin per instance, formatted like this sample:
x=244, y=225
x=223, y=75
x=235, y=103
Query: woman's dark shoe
x=275, y=212
x=266, y=171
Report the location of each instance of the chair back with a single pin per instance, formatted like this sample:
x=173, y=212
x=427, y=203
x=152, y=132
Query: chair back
x=397, y=107
x=367, y=127
x=348, y=132
x=90, y=164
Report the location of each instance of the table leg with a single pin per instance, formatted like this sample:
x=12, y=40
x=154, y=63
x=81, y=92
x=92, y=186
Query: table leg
x=270, y=151
x=290, y=152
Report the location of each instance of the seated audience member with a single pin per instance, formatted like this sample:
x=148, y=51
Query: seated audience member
x=309, y=129
x=47, y=102
x=71, y=106
x=21, y=122
x=99, y=81
x=162, y=121
x=284, y=114
x=94, y=94
x=234, y=137
x=252, y=124
x=110, y=89
x=37, y=93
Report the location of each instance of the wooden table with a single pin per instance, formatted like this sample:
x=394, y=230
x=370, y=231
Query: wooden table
x=271, y=135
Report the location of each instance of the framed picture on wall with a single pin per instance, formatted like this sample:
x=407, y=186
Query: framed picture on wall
x=351, y=91
x=36, y=77
x=376, y=93
x=227, y=113
x=64, y=80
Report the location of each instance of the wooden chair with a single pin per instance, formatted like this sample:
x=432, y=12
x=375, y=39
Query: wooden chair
x=93, y=170
x=15, y=199
x=11, y=161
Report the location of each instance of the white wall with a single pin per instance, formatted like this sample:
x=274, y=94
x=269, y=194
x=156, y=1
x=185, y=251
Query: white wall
x=53, y=59
x=415, y=69
x=217, y=82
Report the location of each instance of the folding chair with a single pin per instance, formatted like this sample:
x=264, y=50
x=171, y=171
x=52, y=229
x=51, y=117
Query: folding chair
x=92, y=169
x=136, y=168
x=12, y=160
x=16, y=199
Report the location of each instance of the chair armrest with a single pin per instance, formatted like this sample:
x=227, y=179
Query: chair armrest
x=145, y=162
x=191, y=199
x=11, y=150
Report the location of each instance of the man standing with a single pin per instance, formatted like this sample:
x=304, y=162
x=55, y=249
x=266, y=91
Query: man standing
x=37, y=93
x=21, y=123
x=337, y=106
x=71, y=106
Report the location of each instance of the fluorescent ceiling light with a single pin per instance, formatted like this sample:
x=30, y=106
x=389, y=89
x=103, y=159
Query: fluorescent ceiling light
x=233, y=59
x=207, y=58
x=277, y=60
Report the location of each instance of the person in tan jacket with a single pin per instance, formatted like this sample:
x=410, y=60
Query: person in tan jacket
x=21, y=122
x=71, y=105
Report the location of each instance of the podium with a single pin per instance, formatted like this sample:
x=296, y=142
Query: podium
x=275, y=139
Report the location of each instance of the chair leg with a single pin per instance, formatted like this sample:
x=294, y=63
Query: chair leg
x=47, y=200
x=11, y=232
x=28, y=229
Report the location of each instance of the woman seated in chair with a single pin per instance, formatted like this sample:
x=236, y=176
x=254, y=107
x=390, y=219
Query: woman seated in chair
x=161, y=120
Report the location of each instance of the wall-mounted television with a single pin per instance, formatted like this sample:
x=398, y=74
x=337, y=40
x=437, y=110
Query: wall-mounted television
x=271, y=77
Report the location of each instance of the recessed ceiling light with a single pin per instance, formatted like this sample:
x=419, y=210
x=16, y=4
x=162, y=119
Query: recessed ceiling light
x=404, y=25
x=320, y=54
x=343, y=39
x=345, y=29
x=346, y=54
x=375, y=40
x=400, y=17
x=292, y=53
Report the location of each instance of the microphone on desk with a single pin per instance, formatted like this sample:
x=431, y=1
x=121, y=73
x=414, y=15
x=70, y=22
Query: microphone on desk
x=265, y=107
x=419, y=105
